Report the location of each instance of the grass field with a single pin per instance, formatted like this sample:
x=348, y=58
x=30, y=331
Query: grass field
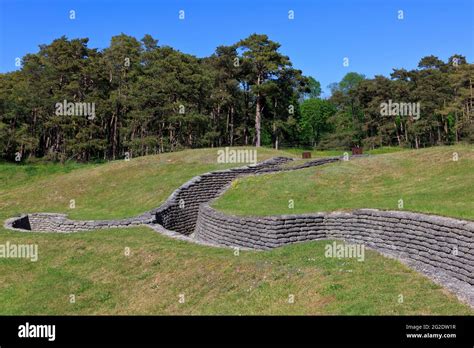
x=94, y=267
x=427, y=180
x=328, y=153
x=104, y=191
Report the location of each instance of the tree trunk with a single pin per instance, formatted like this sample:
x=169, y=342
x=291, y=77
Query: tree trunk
x=456, y=138
x=114, y=136
x=406, y=135
x=257, y=121
x=258, y=116
x=398, y=135
x=232, y=126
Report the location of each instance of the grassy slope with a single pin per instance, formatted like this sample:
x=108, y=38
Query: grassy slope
x=325, y=153
x=214, y=281
x=427, y=180
x=93, y=266
x=115, y=190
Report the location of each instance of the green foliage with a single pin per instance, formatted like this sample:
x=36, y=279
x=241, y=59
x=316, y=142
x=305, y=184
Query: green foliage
x=148, y=98
x=314, y=88
x=443, y=92
x=349, y=82
x=315, y=114
x=272, y=82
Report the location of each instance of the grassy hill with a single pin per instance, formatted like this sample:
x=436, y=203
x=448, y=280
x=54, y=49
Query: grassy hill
x=114, y=190
x=93, y=265
x=427, y=180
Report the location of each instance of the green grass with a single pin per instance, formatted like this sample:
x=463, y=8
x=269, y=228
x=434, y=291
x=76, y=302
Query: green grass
x=116, y=190
x=17, y=174
x=93, y=266
x=330, y=153
x=426, y=180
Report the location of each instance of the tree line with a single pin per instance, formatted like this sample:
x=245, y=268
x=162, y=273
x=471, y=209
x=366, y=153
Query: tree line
x=135, y=97
x=439, y=98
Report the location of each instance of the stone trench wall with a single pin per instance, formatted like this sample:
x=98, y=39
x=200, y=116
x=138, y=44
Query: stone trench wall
x=428, y=239
x=171, y=215
x=182, y=217
x=444, y=243
x=51, y=222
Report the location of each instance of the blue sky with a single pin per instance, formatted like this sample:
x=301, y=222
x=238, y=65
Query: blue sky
x=322, y=33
